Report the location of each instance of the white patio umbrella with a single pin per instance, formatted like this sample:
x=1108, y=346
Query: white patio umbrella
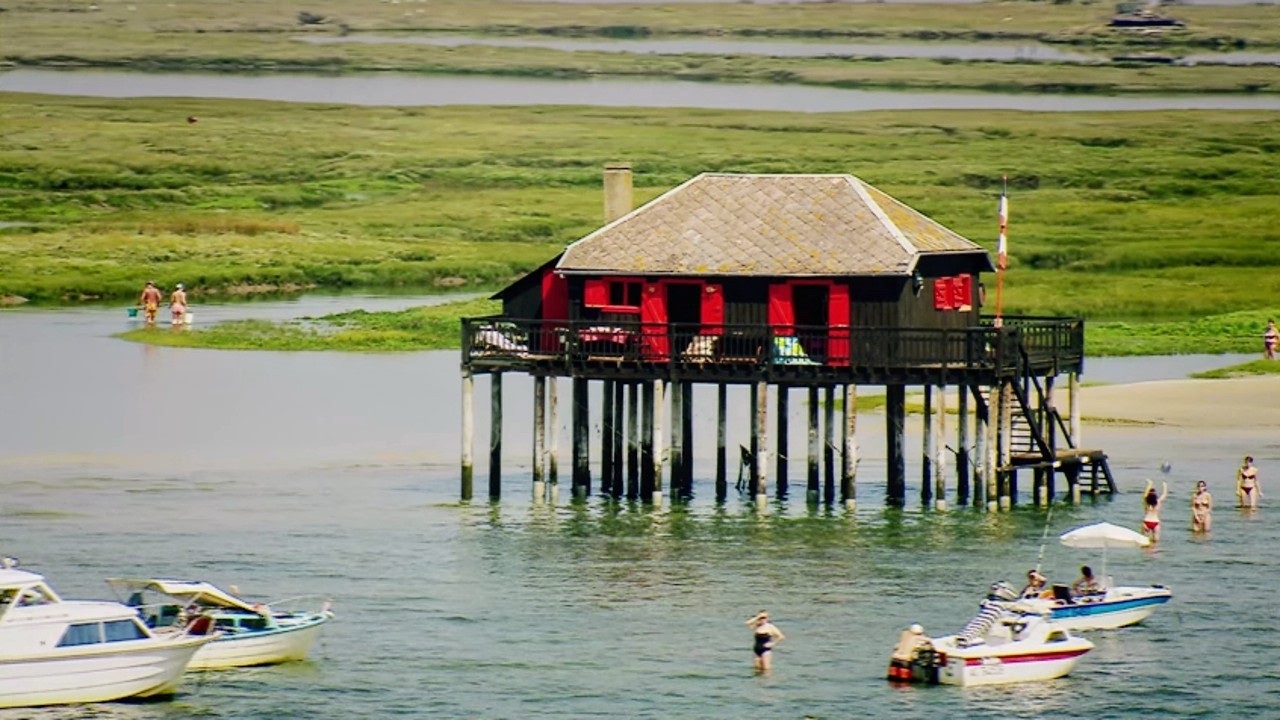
x=1103, y=535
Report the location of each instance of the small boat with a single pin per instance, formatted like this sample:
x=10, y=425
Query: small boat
x=249, y=633
x=57, y=652
x=998, y=646
x=1113, y=607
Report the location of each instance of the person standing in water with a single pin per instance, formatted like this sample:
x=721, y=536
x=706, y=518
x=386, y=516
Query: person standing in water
x=767, y=635
x=1201, y=509
x=1248, y=489
x=178, y=305
x=1152, y=504
x=150, y=302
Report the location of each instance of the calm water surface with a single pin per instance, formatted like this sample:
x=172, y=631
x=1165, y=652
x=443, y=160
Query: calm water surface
x=421, y=90
x=307, y=473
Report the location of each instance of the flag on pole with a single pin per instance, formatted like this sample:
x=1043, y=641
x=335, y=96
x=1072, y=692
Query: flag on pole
x=1002, y=249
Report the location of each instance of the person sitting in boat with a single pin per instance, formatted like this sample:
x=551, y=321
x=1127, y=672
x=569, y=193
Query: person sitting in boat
x=1087, y=584
x=1035, y=585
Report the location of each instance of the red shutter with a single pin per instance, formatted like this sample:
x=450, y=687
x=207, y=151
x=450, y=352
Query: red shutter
x=942, y=294
x=962, y=292
x=712, y=310
x=838, y=347
x=595, y=293
x=555, y=309
x=782, y=315
x=654, y=345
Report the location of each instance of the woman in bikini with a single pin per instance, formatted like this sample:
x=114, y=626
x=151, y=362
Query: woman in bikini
x=767, y=635
x=1201, y=509
x=1152, y=502
x=1248, y=489
x=1270, y=339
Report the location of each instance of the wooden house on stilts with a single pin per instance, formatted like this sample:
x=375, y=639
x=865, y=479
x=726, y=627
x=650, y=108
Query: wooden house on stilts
x=820, y=283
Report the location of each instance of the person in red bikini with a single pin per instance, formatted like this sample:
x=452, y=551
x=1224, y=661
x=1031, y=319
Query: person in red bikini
x=1153, y=502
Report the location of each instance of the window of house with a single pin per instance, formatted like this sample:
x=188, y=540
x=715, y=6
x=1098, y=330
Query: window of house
x=617, y=295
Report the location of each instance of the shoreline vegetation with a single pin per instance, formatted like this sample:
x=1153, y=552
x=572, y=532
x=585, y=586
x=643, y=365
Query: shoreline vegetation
x=248, y=36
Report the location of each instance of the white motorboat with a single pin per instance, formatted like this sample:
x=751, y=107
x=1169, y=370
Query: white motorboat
x=1111, y=606
x=249, y=633
x=55, y=651
x=998, y=646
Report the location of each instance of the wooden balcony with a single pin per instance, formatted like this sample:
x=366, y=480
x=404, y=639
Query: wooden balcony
x=794, y=355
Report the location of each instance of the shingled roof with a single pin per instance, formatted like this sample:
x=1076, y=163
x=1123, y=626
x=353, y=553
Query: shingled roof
x=766, y=225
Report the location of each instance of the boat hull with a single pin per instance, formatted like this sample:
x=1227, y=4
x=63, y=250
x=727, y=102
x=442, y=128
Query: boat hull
x=268, y=647
x=1121, y=607
x=103, y=673
x=996, y=669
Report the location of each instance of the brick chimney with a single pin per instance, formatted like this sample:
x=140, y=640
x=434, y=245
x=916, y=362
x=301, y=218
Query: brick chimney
x=617, y=191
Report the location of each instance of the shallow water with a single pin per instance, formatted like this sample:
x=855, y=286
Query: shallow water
x=291, y=474
x=394, y=89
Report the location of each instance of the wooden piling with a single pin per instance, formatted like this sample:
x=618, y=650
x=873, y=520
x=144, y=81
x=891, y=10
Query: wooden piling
x=655, y=405
x=895, y=427
x=762, y=443
x=468, y=434
x=722, y=464
x=581, y=419
x=619, y=433
x=928, y=440
x=1073, y=396
x=980, y=421
x=848, y=484
x=992, y=457
x=677, y=441
x=812, y=490
x=495, y=436
x=606, y=437
x=553, y=437
x=829, y=454
x=539, y=438
x=940, y=453
x=686, y=440
x=753, y=487
x=1009, y=486
x=633, y=434
x=650, y=473
x=783, y=453
x=962, y=445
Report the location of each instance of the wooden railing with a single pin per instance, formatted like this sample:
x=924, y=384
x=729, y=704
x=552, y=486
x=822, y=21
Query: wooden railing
x=1021, y=341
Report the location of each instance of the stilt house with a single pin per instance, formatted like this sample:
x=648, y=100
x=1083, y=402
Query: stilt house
x=796, y=281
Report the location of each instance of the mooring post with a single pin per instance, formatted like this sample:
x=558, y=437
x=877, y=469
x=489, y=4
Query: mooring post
x=848, y=480
x=495, y=436
x=1051, y=421
x=762, y=443
x=812, y=491
x=829, y=454
x=722, y=465
x=648, y=438
x=940, y=450
x=929, y=441
x=754, y=441
x=553, y=439
x=962, y=445
x=656, y=406
x=581, y=430
x=539, y=437
x=633, y=434
x=606, y=437
x=677, y=440
x=686, y=440
x=979, y=447
x=619, y=433
x=990, y=469
x=784, y=452
x=1006, y=449
x=468, y=433
x=895, y=407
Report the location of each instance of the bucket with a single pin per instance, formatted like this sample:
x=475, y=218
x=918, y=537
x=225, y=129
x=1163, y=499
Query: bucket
x=187, y=318
x=133, y=312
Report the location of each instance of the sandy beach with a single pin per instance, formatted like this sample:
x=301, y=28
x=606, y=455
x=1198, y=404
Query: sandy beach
x=1251, y=403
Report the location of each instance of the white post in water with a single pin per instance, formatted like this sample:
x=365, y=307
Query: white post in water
x=539, y=438
x=1073, y=390
x=989, y=458
x=1006, y=443
x=553, y=446
x=468, y=434
x=849, y=481
x=762, y=444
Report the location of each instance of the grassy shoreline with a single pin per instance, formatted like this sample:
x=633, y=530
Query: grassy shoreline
x=245, y=36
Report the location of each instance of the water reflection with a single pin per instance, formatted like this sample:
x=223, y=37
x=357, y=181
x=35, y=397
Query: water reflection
x=727, y=46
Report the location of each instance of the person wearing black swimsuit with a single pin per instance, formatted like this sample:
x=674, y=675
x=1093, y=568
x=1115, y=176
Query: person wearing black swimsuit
x=767, y=635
